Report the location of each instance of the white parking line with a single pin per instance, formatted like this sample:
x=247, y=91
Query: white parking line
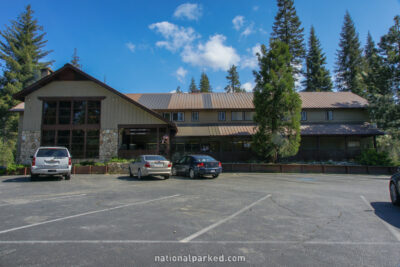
x=391, y=229
x=212, y=226
x=271, y=242
x=28, y=201
x=86, y=213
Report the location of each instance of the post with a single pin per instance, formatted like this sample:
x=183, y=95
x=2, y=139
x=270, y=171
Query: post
x=158, y=140
x=345, y=148
x=318, y=148
x=375, y=146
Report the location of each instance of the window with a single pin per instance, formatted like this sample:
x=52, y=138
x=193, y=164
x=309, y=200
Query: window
x=195, y=116
x=178, y=116
x=248, y=115
x=74, y=124
x=329, y=115
x=167, y=115
x=221, y=116
x=304, y=115
x=237, y=115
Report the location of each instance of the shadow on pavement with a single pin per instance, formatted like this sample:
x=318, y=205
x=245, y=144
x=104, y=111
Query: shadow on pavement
x=144, y=179
x=26, y=179
x=387, y=212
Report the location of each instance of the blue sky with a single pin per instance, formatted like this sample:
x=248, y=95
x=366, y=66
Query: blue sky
x=155, y=46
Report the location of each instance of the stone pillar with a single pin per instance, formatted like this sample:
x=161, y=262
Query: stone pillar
x=108, y=144
x=30, y=141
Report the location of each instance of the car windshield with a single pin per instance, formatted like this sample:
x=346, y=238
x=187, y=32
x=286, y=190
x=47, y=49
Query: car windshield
x=51, y=152
x=154, y=157
x=204, y=159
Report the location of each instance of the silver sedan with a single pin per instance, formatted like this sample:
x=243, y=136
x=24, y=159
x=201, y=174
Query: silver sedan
x=150, y=165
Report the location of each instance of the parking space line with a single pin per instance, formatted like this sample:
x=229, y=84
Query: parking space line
x=212, y=226
x=86, y=213
x=391, y=229
x=28, y=201
x=261, y=242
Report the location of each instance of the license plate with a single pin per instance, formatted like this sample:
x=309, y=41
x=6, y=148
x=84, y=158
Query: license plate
x=51, y=170
x=158, y=165
x=212, y=170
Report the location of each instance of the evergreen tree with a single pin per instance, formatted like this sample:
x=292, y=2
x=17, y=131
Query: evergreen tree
x=287, y=28
x=193, y=87
x=234, y=85
x=76, y=59
x=204, y=86
x=277, y=105
x=178, y=90
x=349, y=59
x=317, y=77
x=21, y=51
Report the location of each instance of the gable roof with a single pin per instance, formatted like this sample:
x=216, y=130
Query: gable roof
x=69, y=72
x=310, y=100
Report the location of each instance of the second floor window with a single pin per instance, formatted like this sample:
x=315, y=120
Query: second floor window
x=237, y=115
x=304, y=115
x=178, y=116
x=329, y=115
x=248, y=115
x=167, y=115
x=195, y=116
x=221, y=116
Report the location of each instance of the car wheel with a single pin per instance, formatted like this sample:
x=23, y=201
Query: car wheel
x=139, y=174
x=215, y=176
x=68, y=177
x=130, y=172
x=174, y=172
x=394, y=194
x=192, y=175
x=166, y=177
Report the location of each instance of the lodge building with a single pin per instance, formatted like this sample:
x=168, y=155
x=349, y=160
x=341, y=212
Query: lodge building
x=70, y=108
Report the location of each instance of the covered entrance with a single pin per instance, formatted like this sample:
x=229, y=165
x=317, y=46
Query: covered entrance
x=135, y=140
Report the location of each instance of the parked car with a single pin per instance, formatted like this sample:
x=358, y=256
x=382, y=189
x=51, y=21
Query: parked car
x=394, y=188
x=51, y=161
x=150, y=165
x=197, y=165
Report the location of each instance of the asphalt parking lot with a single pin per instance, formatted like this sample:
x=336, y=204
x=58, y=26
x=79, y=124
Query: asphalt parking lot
x=261, y=219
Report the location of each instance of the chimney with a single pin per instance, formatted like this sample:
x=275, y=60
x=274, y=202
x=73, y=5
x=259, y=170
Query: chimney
x=45, y=72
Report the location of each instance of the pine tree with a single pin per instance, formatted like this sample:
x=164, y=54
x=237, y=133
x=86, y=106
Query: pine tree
x=317, y=77
x=349, y=59
x=287, y=28
x=76, y=59
x=277, y=105
x=204, y=85
x=234, y=85
x=21, y=51
x=178, y=90
x=193, y=87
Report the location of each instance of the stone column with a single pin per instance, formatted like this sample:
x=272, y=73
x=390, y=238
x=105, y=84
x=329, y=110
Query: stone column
x=108, y=144
x=30, y=141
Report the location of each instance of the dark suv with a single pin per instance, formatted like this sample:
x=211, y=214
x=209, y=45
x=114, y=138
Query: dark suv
x=197, y=165
x=394, y=189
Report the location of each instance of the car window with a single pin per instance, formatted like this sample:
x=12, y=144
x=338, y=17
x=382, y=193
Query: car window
x=204, y=158
x=155, y=157
x=188, y=160
x=182, y=160
x=52, y=152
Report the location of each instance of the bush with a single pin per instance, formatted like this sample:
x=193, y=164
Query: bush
x=119, y=160
x=99, y=164
x=12, y=168
x=373, y=158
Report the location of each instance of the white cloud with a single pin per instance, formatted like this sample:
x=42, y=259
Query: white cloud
x=188, y=11
x=180, y=74
x=214, y=54
x=131, y=46
x=249, y=30
x=248, y=86
x=175, y=36
x=238, y=22
x=251, y=61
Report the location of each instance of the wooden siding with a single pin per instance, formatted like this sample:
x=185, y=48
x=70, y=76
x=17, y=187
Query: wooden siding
x=114, y=109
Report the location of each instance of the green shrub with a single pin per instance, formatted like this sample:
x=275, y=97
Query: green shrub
x=12, y=168
x=99, y=164
x=373, y=158
x=119, y=160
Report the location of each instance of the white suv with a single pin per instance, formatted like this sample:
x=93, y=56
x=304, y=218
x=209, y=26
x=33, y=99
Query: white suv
x=51, y=161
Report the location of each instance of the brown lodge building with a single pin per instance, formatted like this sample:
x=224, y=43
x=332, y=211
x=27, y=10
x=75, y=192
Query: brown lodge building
x=70, y=108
